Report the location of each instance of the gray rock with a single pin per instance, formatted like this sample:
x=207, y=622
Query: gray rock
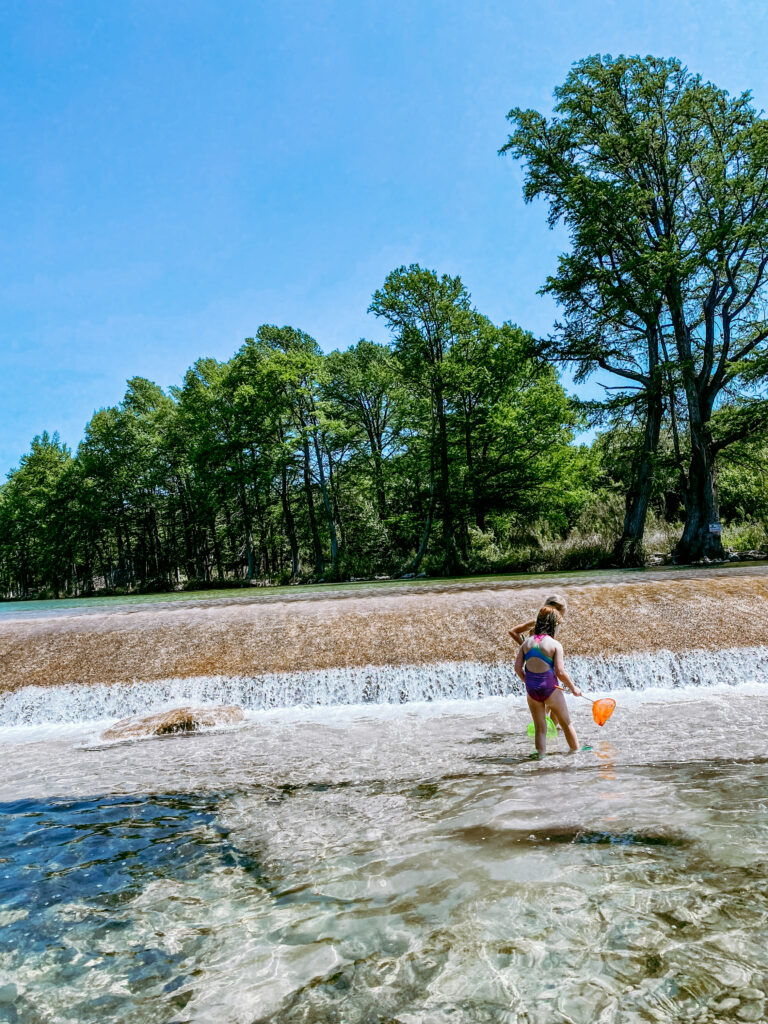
x=729, y=1003
x=751, y=1011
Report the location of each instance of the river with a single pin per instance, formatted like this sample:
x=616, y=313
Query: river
x=374, y=843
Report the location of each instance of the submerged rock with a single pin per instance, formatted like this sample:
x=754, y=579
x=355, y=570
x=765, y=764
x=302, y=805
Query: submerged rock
x=164, y=723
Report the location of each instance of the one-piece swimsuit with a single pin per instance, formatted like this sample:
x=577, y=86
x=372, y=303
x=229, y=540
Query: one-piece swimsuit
x=540, y=685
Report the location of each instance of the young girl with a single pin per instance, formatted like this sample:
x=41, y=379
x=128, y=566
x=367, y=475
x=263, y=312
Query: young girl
x=540, y=664
x=519, y=633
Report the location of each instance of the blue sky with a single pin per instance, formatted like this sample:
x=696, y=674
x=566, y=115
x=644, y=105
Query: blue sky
x=174, y=173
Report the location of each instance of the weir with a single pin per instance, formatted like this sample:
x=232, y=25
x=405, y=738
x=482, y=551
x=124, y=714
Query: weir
x=376, y=684
x=251, y=636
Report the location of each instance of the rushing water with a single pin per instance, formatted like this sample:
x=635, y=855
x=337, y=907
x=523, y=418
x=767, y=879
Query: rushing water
x=285, y=632
x=374, y=845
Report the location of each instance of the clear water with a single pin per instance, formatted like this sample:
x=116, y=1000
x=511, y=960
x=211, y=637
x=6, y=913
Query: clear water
x=393, y=863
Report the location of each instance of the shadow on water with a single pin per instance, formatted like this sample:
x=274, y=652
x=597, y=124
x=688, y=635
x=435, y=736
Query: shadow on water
x=493, y=737
x=574, y=836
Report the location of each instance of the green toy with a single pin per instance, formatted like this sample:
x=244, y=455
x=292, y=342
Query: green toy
x=551, y=730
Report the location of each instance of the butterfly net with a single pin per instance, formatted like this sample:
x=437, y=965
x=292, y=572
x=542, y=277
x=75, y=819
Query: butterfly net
x=603, y=709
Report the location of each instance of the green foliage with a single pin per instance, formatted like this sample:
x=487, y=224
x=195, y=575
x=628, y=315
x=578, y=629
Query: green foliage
x=747, y=536
x=661, y=180
x=743, y=482
x=35, y=514
x=284, y=464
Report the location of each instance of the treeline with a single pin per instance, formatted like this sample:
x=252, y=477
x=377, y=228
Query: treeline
x=450, y=450
x=285, y=464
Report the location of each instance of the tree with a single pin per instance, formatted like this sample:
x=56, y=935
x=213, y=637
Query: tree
x=662, y=182
x=426, y=315
x=32, y=517
x=295, y=364
x=510, y=425
x=361, y=387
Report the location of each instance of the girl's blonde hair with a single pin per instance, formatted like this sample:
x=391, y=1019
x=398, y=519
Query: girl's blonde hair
x=547, y=621
x=558, y=602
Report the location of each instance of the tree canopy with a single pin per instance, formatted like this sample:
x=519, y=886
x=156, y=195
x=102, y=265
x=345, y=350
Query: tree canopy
x=284, y=463
x=661, y=179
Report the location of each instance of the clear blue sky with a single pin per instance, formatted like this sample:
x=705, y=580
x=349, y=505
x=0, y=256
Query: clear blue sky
x=174, y=173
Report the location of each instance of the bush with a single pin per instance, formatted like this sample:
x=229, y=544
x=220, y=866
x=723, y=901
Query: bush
x=746, y=536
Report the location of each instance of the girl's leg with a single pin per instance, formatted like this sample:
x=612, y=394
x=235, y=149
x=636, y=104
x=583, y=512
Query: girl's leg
x=560, y=708
x=553, y=715
x=539, y=716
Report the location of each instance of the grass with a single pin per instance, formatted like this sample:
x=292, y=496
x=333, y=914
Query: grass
x=746, y=536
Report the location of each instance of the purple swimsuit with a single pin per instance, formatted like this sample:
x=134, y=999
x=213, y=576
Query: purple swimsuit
x=540, y=685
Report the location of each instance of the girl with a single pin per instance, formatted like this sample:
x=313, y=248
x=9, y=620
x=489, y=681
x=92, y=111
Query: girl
x=518, y=633
x=540, y=664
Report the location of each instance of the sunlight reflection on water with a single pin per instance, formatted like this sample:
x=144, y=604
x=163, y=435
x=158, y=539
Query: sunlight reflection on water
x=405, y=864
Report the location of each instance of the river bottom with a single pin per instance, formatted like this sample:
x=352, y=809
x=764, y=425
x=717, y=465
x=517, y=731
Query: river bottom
x=397, y=865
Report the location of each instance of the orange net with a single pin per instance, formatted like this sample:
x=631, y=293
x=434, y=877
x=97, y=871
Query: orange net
x=603, y=709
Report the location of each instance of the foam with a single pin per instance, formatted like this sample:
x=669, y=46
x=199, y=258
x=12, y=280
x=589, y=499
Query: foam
x=471, y=682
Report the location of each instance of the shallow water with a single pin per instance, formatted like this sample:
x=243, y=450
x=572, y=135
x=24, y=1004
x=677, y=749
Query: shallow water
x=404, y=863
x=375, y=845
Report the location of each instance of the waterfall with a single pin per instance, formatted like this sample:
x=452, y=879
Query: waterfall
x=380, y=684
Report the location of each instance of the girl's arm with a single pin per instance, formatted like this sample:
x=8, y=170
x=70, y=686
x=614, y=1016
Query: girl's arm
x=519, y=663
x=560, y=672
x=518, y=632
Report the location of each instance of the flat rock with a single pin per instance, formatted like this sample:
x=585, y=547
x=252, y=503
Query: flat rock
x=164, y=723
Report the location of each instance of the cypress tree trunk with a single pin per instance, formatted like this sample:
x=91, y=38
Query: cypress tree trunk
x=120, y=555
x=290, y=524
x=231, y=536
x=702, y=536
x=413, y=567
x=377, y=461
x=318, y=549
x=451, y=565
x=701, y=533
x=477, y=507
x=335, y=502
x=630, y=550
x=216, y=547
x=247, y=528
x=326, y=504
x=186, y=529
